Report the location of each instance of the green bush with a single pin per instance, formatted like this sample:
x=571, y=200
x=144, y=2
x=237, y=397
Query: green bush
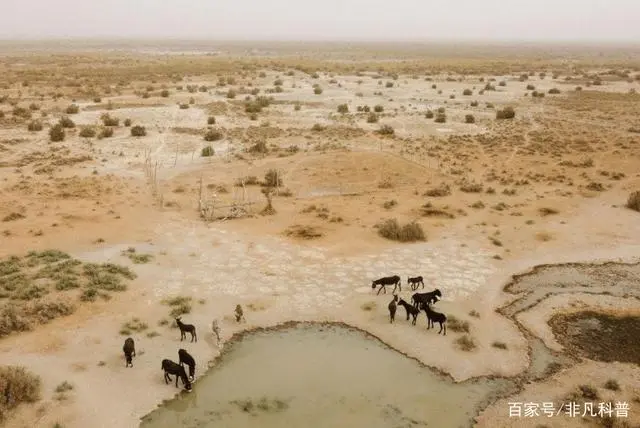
x=164, y=93
x=317, y=90
x=87, y=132
x=469, y=118
x=105, y=132
x=207, y=151
x=467, y=92
x=429, y=114
x=410, y=232
x=138, y=131
x=212, y=135
x=18, y=386
x=72, y=109
x=211, y=120
x=56, y=133
x=506, y=113
x=386, y=130
x=35, y=126
x=441, y=118
x=65, y=122
x=343, y=108
x=378, y=108
x=372, y=118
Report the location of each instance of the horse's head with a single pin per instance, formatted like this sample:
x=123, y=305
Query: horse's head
x=178, y=320
x=373, y=284
x=437, y=292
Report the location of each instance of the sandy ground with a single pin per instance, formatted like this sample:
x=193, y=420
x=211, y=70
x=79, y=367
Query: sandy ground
x=96, y=208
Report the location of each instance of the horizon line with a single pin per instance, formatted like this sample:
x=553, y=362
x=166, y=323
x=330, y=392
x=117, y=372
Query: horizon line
x=315, y=40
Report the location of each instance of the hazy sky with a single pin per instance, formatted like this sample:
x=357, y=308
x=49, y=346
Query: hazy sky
x=324, y=19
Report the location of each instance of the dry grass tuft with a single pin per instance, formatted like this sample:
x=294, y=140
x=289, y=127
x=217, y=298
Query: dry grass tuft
x=303, y=232
x=17, y=386
x=465, y=343
x=410, y=232
x=634, y=201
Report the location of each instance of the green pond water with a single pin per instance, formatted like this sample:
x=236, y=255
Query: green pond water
x=317, y=376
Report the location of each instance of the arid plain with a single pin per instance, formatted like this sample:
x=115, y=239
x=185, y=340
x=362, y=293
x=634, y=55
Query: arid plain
x=135, y=185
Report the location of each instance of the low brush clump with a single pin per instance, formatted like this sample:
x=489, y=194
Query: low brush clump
x=410, y=232
x=179, y=305
x=633, y=202
x=18, y=386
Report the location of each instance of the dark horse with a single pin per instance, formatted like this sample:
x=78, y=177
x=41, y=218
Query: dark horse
x=411, y=310
x=415, y=282
x=428, y=298
x=129, y=350
x=171, y=368
x=392, y=308
x=187, y=359
x=433, y=317
x=388, y=280
x=186, y=328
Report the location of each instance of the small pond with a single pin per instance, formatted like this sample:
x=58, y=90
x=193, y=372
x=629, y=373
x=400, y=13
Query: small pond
x=315, y=375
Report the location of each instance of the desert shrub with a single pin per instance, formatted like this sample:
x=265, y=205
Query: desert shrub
x=231, y=94
x=259, y=147
x=21, y=112
x=372, y=118
x=441, y=118
x=633, y=202
x=184, y=106
x=317, y=90
x=439, y=192
x=469, y=187
x=127, y=122
x=502, y=83
x=87, y=132
x=429, y=114
x=35, y=126
x=467, y=92
x=108, y=120
x=343, y=108
x=388, y=85
x=17, y=386
x=164, y=93
x=410, y=232
x=207, y=151
x=211, y=120
x=530, y=87
x=66, y=122
x=456, y=325
x=273, y=178
x=554, y=91
x=378, y=108
x=138, y=131
x=386, y=130
x=105, y=132
x=297, y=107
x=72, y=109
x=465, y=343
x=213, y=135
x=612, y=385
x=506, y=113
x=56, y=133
x=474, y=103
x=317, y=127
x=469, y=118
x=441, y=110
x=499, y=345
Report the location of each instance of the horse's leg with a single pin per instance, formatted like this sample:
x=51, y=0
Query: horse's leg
x=167, y=378
x=195, y=333
x=379, y=290
x=400, y=286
